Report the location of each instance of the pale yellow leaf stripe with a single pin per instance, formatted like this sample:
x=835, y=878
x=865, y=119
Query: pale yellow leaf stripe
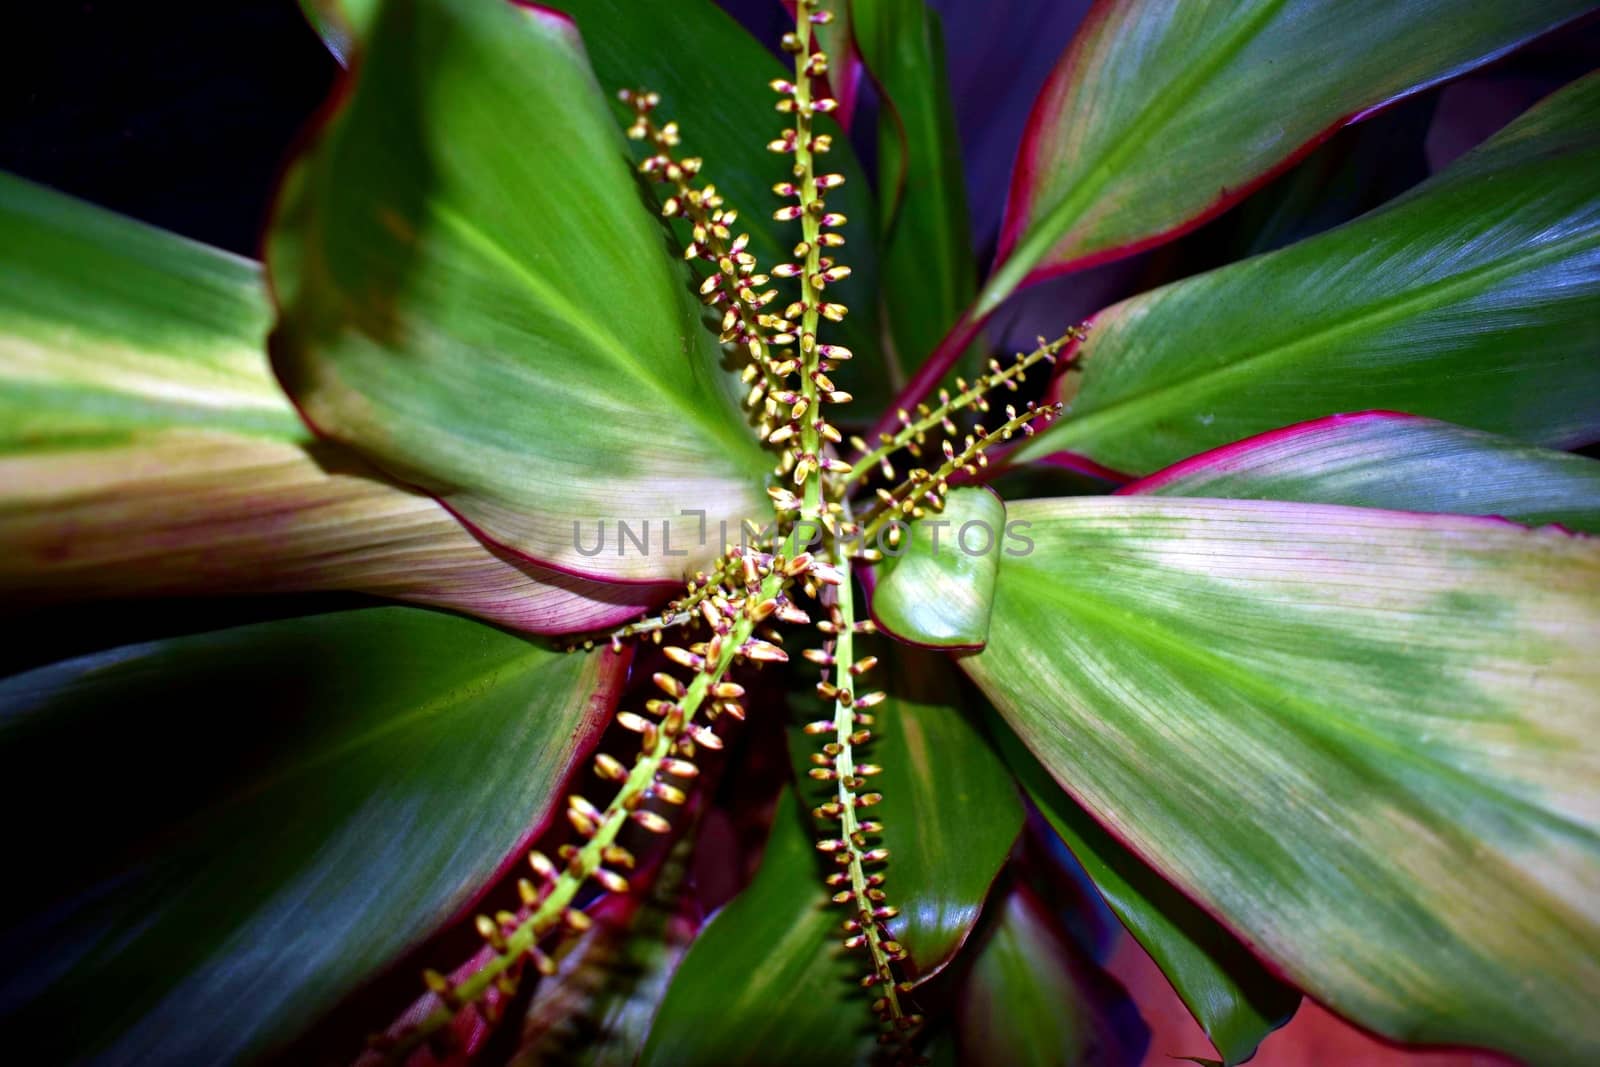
x=1369, y=741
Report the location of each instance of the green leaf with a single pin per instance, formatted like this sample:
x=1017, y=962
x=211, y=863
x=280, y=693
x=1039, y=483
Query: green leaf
x=1352, y=172
x=229, y=893
x=1030, y=1000
x=1236, y=1001
x=1364, y=740
x=475, y=296
x=145, y=448
x=950, y=810
x=109, y=327
x=709, y=73
x=936, y=592
x=929, y=270
x=1470, y=299
x=1379, y=459
x=767, y=981
x=1161, y=115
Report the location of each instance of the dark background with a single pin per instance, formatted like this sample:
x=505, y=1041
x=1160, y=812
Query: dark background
x=178, y=113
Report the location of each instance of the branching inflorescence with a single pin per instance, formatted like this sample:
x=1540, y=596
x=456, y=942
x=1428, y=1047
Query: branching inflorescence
x=733, y=608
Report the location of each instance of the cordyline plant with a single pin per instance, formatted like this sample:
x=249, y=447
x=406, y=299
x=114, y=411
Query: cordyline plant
x=1312, y=696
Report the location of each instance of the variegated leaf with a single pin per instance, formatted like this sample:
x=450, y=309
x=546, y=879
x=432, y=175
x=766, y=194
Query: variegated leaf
x=1381, y=459
x=476, y=297
x=1469, y=299
x=702, y=63
x=1230, y=993
x=1365, y=740
x=1161, y=115
x=145, y=448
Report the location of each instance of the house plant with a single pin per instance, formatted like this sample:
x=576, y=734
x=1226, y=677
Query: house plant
x=1291, y=668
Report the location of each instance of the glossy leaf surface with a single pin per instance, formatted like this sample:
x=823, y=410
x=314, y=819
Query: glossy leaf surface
x=1161, y=115
x=1374, y=733
x=397, y=757
x=1379, y=459
x=1236, y=1001
x=950, y=810
x=110, y=326
x=929, y=270
x=709, y=73
x=1031, y=1000
x=937, y=592
x=475, y=297
x=145, y=448
x=1470, y=299
x=767, y=980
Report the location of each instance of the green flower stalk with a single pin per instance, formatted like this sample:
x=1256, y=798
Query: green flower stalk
x=789, y=367
x=913, y=431
x=670, y=737
x=469, y=338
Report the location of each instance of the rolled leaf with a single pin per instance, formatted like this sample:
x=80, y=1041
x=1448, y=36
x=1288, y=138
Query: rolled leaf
x=1364, y=740
x=1161, y=115
x=231, y=894
x=950, y=809
x=1233, y=997
x=935, y=588
x=1380, y=459
x=767, y=981
x=929, y=268
x=474, y=295
x=1470, y=299
x=145, y=448
x=1031, y=999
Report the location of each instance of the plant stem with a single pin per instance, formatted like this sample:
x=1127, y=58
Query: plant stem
x=844, y=729
x=932, y=372
x=966, y=397
x=553, y=906
x=901, y=500
x=811, y=230
x=681, y=612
